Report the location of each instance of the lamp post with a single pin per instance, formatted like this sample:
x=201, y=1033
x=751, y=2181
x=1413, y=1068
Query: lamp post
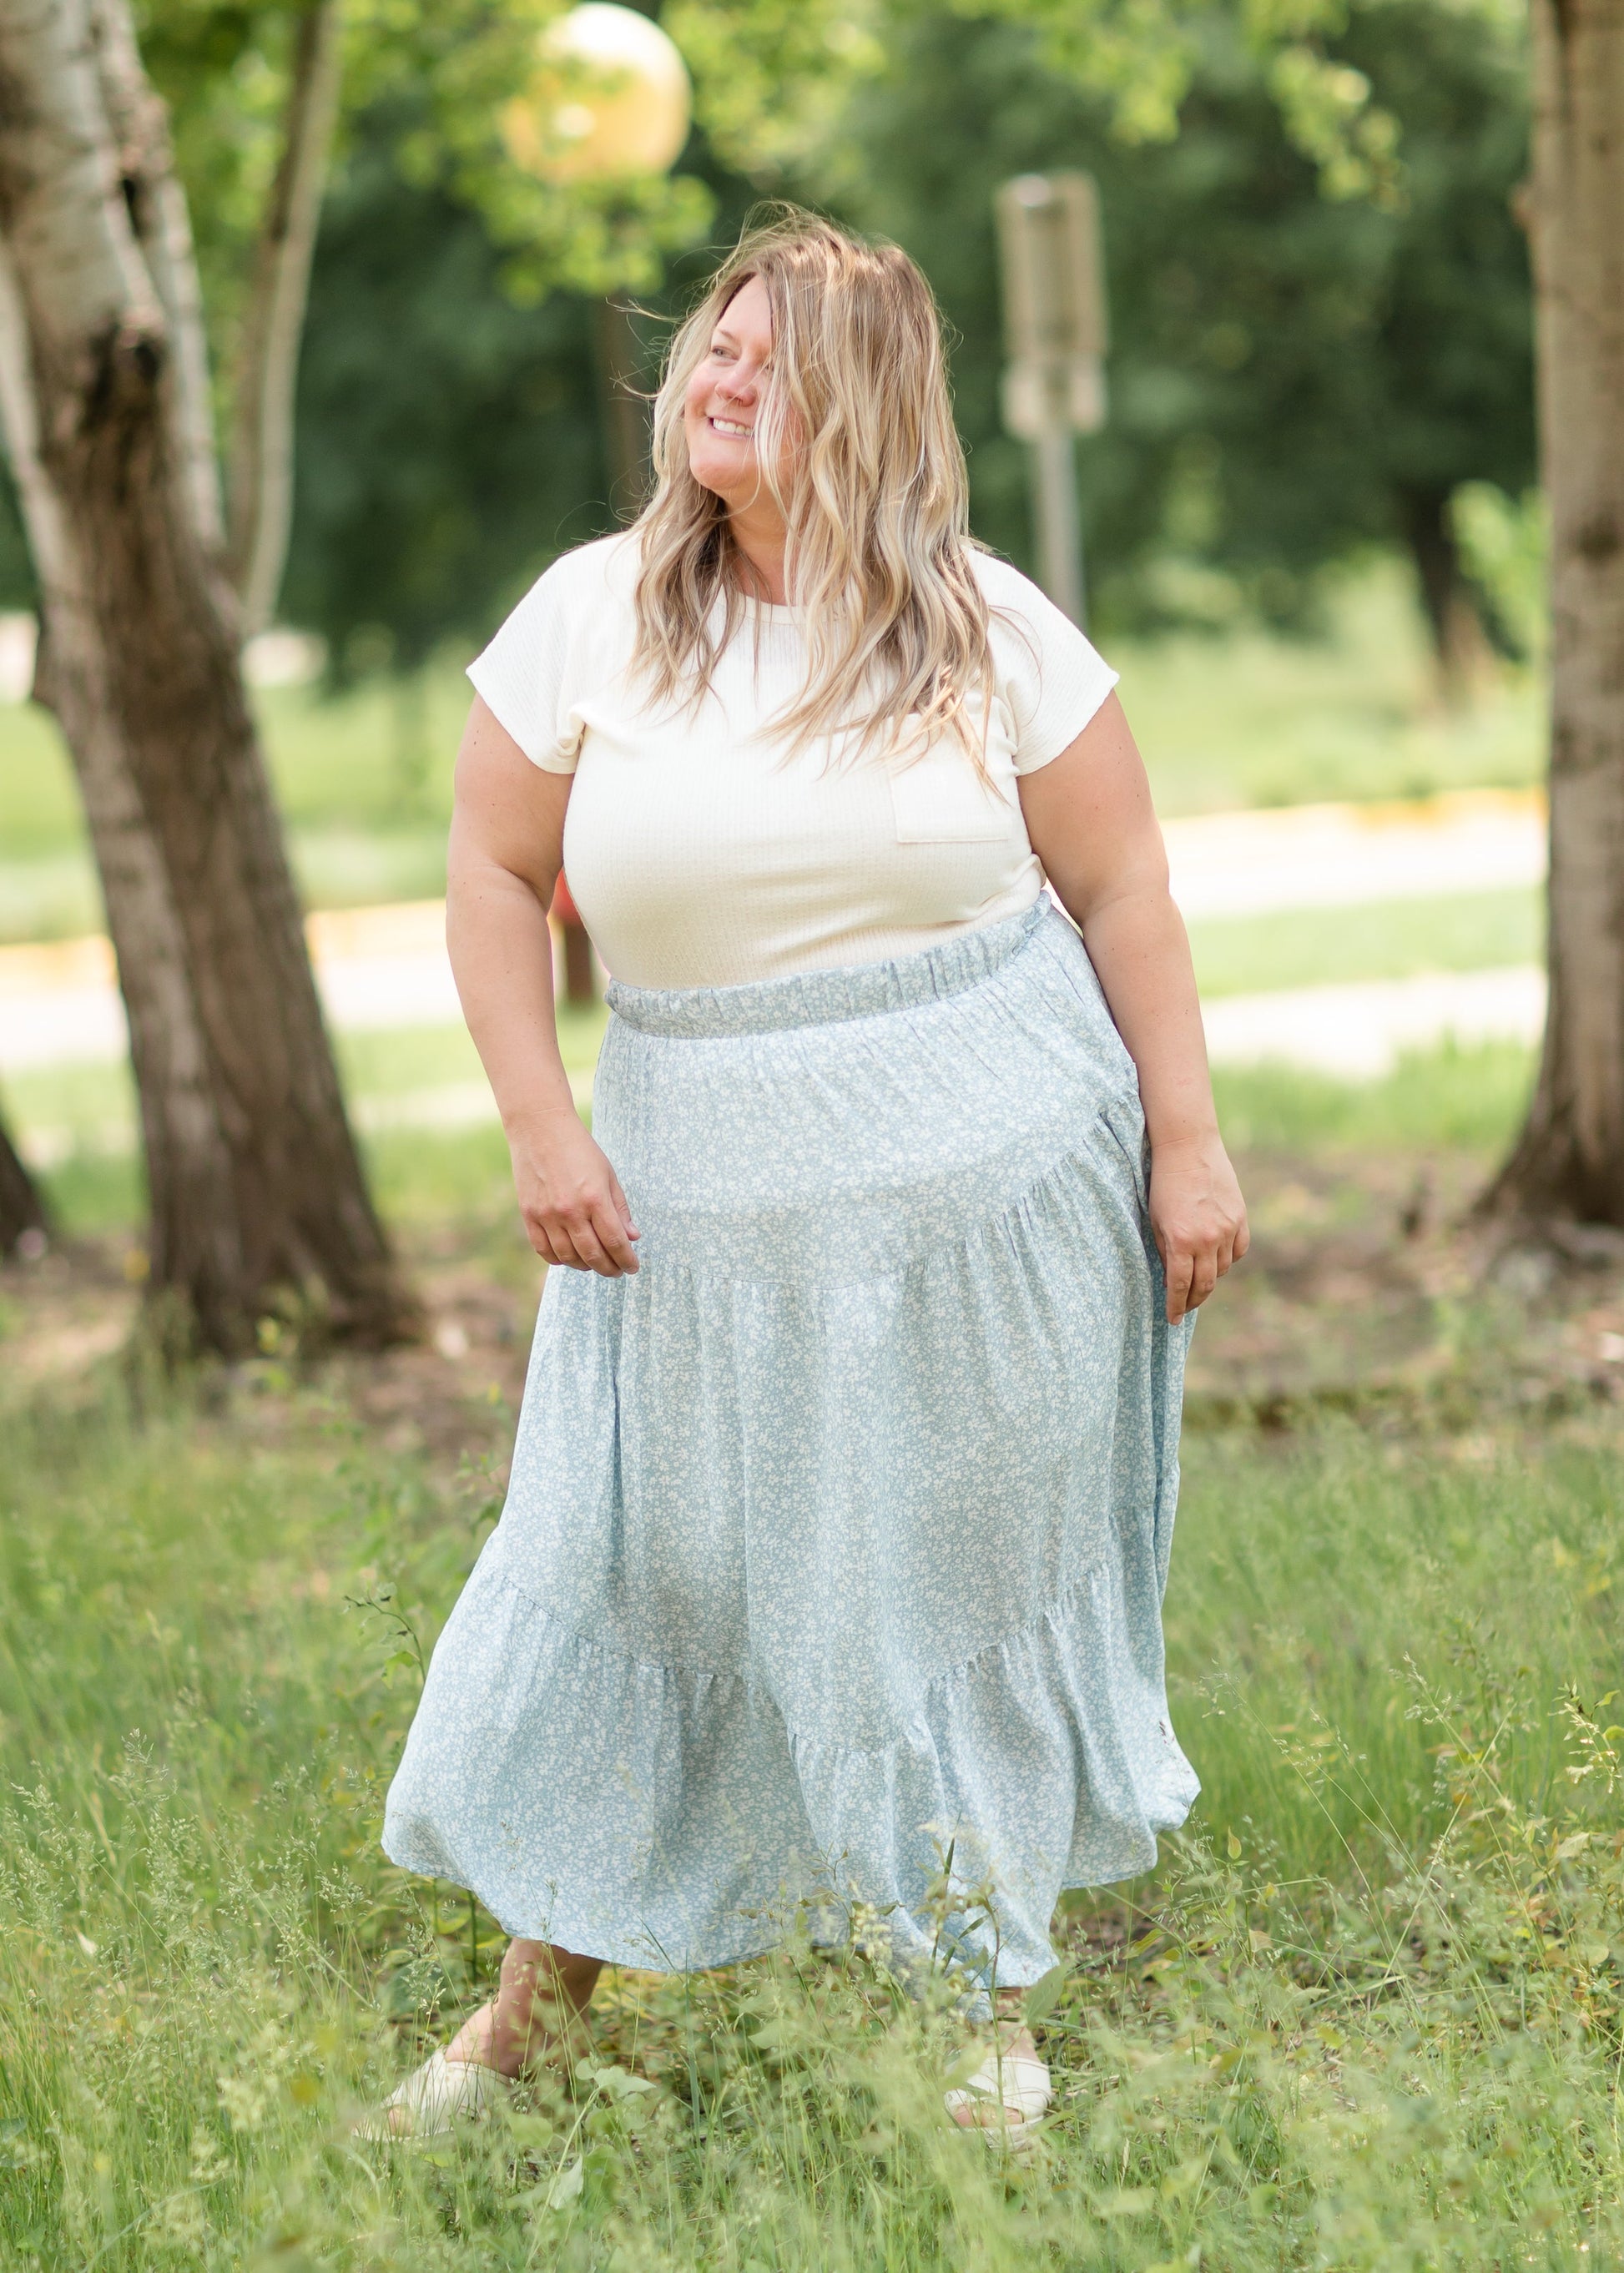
x=610, y=102
x=1054, y=382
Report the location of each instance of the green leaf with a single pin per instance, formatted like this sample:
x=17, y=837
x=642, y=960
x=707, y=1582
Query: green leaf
x=1041, y=1999
x=530, y=2130
x=619, y=2082
x=565, y=2189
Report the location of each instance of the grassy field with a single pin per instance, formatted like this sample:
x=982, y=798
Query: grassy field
x=364, y=782
x=1366, y=2015
x=1384, y=938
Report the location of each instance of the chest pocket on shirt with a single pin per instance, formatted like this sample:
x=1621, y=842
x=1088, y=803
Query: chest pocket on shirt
x=940, y=798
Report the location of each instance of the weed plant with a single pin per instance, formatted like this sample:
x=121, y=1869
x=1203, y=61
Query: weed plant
x=1366, y=2015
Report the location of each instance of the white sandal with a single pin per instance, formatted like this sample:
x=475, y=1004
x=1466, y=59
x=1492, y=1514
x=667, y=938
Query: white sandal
x=1014, y=2080
x=435, y=2098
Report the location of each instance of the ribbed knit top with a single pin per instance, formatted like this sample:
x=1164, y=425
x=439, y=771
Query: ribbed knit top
x=705, y=850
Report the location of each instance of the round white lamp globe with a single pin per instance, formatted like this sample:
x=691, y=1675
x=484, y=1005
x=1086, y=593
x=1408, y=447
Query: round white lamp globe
x=611, y=99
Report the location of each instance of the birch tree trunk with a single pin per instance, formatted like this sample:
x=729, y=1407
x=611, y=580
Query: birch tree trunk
x=1568, y=1164
x=261, y=430
x=254, y=1180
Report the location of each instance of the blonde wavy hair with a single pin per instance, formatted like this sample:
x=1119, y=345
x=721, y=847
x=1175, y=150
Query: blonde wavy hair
x=873, y=494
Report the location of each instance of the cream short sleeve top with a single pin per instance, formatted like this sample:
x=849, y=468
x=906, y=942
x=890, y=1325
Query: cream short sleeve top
x=702, y=851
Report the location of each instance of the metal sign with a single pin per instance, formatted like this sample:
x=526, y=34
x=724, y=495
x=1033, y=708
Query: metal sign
x=1054, y=303
x=1055, y=335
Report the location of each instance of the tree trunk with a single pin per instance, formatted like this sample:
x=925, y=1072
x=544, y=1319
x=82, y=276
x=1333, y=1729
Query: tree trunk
x=1460, y=649
x=624, y=408
x=255, y=1181
x=262, y=453
x=22, y=1210
x=1568, y=1164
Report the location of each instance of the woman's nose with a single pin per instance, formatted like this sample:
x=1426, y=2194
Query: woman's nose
x=737, y=384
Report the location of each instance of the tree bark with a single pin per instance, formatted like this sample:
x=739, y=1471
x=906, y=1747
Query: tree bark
x=255, y=1182
x=21, y=1208
x=163, y=227
x=1568, y=1164
x=261, y=448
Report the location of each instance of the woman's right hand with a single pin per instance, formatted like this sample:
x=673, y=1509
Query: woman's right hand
x=575, y=1212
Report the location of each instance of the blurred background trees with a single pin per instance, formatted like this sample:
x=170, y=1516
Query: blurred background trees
x=1294, y=378
x=1322, y=310
x=1297, y=377
x=449, y=430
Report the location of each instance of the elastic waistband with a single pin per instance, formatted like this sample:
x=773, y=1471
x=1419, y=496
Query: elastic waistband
x=820, y=998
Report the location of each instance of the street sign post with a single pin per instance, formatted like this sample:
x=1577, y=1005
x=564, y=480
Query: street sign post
x=1055, y=339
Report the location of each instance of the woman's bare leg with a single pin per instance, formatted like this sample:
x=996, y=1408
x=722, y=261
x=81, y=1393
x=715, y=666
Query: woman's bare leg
x=542, y=1993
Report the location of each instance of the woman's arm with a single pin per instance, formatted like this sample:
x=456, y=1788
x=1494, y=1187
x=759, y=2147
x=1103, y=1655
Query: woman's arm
x=506, y=849
x=1093, y=826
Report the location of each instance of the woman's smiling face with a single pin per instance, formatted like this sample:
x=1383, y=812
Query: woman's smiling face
x=724, y=395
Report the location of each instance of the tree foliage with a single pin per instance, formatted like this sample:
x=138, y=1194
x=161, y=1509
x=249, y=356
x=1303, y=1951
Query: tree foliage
x=1293, y=374
x=1318, y=289
x=448, y=432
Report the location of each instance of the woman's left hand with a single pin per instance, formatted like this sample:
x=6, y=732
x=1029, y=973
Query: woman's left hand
x=1198, y=1216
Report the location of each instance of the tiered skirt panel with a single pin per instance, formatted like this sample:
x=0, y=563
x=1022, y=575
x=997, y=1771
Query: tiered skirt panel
x=836, y=1537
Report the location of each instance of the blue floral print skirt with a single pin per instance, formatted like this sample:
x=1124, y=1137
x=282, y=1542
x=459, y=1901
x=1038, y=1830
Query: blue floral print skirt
x=836, y=1537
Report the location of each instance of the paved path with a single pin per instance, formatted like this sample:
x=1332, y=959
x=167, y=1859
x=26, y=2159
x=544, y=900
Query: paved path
x=385, y=967
x=377, y=968
x=1323, y=856
x=1362, y=1030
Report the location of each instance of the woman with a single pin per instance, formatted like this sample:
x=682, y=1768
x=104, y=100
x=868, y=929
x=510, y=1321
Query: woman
x=842, y=1496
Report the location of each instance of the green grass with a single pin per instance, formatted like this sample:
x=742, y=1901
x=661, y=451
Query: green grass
x=1387, y=939
x=1254, y=720
x=1367, y=2016
x=1453, y=1099
x=80, y=1121
x=1469, y=1099
x=1251, y=719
